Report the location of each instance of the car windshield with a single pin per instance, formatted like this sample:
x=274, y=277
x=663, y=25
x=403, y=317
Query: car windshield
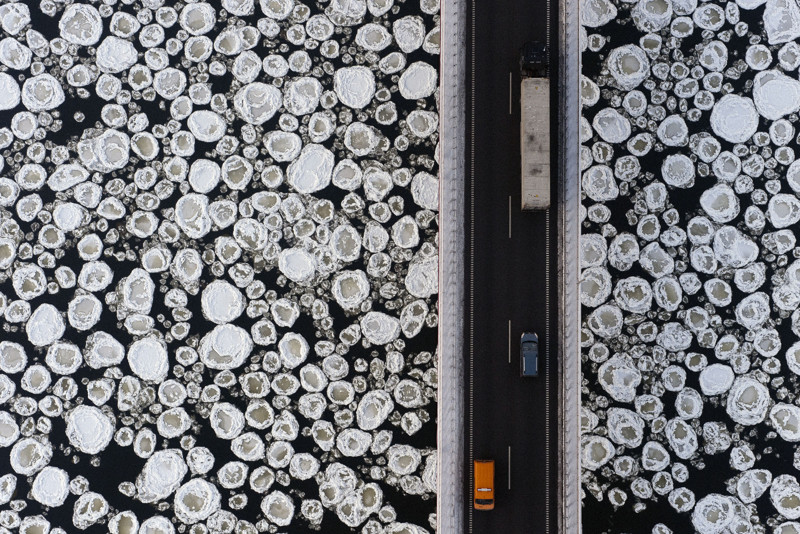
x=529, y=345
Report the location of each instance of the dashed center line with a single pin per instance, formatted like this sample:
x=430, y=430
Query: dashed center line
x=509, y=216
x=509, y=341
x=509, y=467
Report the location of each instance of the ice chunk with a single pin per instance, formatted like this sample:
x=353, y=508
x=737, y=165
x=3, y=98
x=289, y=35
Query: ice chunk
x=293, y=349
x=257, y=102
x=681, y=437
x=716, y=379
x=301, y=95
x=783, y=210
x=775, y=94
x=29, y=456
x=137, y=291
x=734, y=118
x=379, y=328
x=628, y=65
x=418, y=81
x=350, y=288
x=196, y=500
x=297, y=265
x=656, y=261
x=678, y=170
x=673, y=131
x=278, y=508
x=633, y=294
x=222, y=302
x=748, y=401
x=422, y=279
x=90, y=508
x=81, y=24
x=619, y=377
x=786, y=420
x=753, y=310
x=596, y=451
x=752, y=484
x=89, y=429
x=599, y=184
x=622, y=253
x=713, y=513
x=611, y=126
x=734, y=249
x=625, y=427
x=595, y=286
x=781, y=20
x=51, y=486
x=10, y=94
x=162, y=475
x=373, y=409
x=373, y=37
x=355, y=86
x=425, y=190
x=206, y=126
x=42, y=93
x=784, y=493
x=45, y=325
x=115, y=55
x=596, y=13
x=720, y=203
x=225, y=347
x=652, y=15
x=148, y=359
x=312, y=170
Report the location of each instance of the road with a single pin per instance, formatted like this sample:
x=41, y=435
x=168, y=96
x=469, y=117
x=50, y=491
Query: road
x=510, y=419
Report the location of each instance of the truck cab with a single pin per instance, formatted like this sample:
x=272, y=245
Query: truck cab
x=484, y=484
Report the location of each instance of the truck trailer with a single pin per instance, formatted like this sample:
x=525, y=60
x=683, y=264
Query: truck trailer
x=535, y=127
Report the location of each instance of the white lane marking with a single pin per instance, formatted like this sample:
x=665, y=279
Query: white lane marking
x=509, y=341
x=509, y=216
x=509, y=467
x=510, y=84
x=547, y=367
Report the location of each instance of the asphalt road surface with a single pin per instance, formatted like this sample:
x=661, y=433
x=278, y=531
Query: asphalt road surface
x=508, y=281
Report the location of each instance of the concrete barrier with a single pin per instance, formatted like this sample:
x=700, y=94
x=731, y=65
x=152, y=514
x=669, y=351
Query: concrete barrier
x=569, y=256
x=450, y=503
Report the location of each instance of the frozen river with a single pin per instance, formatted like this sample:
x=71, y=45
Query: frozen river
x=218, y=266
x=689, y=282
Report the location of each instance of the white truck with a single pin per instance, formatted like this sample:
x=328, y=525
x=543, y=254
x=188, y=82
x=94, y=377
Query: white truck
x=535, y=127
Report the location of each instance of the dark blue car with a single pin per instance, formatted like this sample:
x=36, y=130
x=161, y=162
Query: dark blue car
x=529, y=354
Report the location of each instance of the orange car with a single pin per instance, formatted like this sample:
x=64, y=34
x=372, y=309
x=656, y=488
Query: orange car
x=484, y=484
